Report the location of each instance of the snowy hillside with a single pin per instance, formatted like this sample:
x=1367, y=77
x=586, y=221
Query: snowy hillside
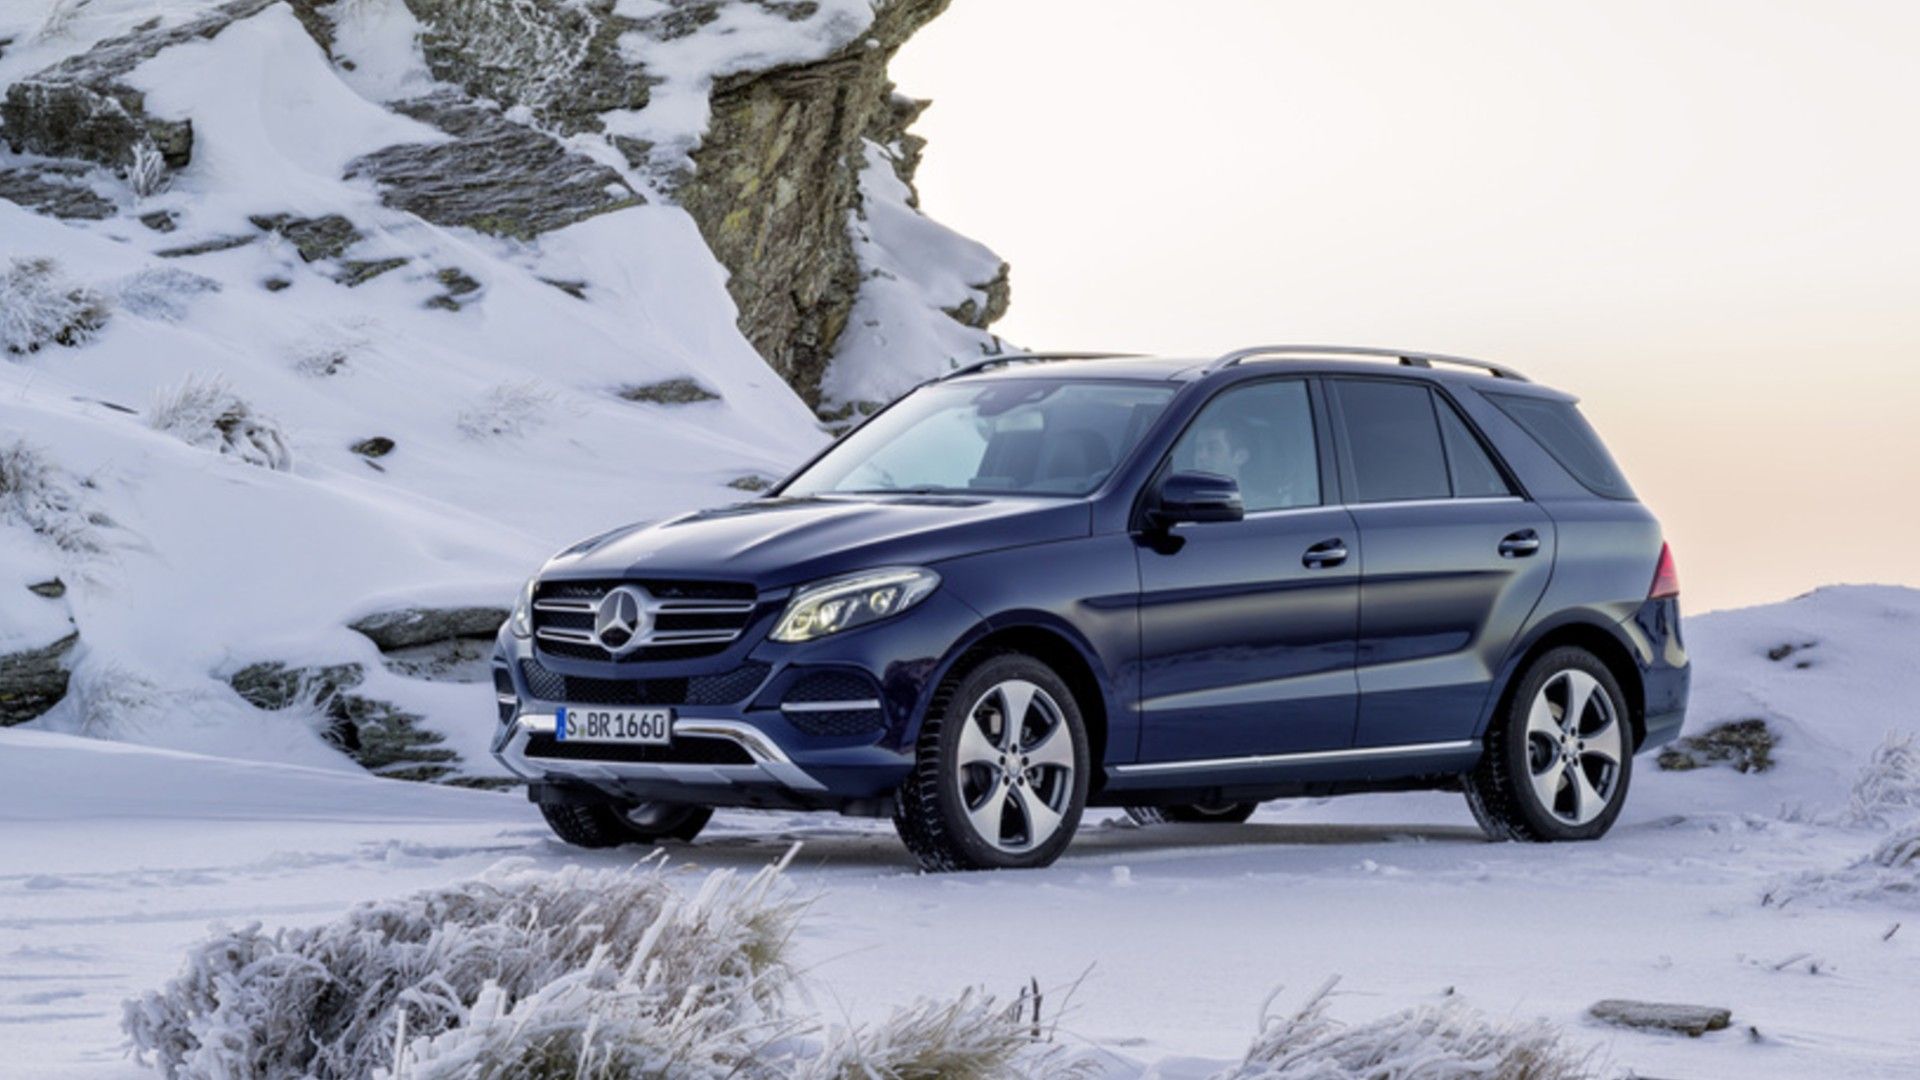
x=315, y=311
x=1758, y=892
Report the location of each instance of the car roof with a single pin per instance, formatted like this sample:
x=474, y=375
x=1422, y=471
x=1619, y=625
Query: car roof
x=1190, y=369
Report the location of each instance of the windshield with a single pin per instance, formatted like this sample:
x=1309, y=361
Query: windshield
x=1007, y=437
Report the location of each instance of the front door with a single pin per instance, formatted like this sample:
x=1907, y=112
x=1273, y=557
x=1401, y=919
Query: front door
x=1247, y=627
x=1455, y=561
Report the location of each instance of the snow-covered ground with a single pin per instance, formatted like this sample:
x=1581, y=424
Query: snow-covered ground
x=1160, y=944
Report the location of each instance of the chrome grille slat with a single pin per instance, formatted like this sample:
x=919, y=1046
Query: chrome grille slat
x=578, y=606
x=684, y=618
x=704, y=607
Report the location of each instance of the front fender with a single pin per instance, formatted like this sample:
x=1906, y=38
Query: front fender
x=1082, y=593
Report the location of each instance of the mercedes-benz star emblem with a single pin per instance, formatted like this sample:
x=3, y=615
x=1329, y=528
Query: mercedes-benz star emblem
x=622, y=621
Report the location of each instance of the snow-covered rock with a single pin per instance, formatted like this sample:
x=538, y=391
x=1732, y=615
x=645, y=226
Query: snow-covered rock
x=460, y=279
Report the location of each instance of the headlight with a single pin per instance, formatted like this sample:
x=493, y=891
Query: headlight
x=854, y=600
x=520, y=623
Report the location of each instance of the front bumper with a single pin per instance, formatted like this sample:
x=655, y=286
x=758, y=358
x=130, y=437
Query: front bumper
x=754, y=746
x=768, y=769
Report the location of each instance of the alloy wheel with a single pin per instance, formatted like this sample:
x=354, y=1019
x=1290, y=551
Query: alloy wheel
x=1574, y=747
x=1015, y=759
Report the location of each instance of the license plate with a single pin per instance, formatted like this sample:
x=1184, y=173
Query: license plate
x=646, y=727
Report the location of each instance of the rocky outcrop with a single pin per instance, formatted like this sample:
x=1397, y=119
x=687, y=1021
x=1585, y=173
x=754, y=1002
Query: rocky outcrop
x=560, y=60
x=773, y=184
x=81, y=108
x=34, y=680
x=326, y=237
x=494, y=175
x=1690, y=1020
x=407, y=627
x=381, y=737
x=669, y=392
x=777, y=177
x=1742, y=745
x=58, y=188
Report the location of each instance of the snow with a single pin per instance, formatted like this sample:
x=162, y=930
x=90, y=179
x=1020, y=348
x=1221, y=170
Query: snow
x=154, y=804
x=908, y=261
x=1160, y=944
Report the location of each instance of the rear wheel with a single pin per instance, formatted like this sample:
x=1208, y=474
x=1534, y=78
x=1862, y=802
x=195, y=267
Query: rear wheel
x=1000, y=778
x=605, y=825
x=1558, y=762
x=1194, y=813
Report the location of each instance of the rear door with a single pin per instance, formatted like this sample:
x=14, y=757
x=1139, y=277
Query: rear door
x=1247, y=627
x=1453, y=559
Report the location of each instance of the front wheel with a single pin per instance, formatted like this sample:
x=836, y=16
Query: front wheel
x=1000, y=776
x=1558, y=761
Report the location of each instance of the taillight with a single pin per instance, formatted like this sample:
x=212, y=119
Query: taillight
x=1666, y=580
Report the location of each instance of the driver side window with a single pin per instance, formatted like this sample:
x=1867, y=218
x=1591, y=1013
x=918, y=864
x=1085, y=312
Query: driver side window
x=1261, y=436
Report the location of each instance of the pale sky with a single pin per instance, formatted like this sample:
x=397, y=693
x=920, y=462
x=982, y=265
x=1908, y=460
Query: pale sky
x=1701, y=216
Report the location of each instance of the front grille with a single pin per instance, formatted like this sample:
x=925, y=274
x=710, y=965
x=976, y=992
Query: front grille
x=688, y=618
x=725, y=688
x=685, y=750
x=801, y=704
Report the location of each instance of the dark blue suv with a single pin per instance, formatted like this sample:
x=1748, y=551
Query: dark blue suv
x=1047, y=582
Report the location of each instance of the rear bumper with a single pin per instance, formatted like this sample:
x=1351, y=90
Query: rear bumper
x=1666, y=674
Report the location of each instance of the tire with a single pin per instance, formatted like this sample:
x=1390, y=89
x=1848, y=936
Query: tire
x=975, y=800
x=1540, y=780
x=606, y=825
x=1193, y=814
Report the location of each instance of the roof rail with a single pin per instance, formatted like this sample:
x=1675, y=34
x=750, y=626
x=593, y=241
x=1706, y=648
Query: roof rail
x=997, y=359
x=1406, y=357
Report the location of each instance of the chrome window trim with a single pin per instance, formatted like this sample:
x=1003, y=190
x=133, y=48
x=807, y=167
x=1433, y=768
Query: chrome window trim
x=1309, y=757
x=1350, y=506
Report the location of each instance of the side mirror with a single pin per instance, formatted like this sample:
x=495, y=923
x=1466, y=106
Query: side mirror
x=1196, y=496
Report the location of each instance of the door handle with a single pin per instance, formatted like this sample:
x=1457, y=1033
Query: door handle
x=1519, y=545
x=1325, y=554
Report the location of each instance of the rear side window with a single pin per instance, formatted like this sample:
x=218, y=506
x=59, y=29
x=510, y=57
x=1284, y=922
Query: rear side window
x=1393, y=438
x=1562, y=432
x=1475, y=476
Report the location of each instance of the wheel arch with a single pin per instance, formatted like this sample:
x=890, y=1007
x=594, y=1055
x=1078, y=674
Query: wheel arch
x=1052, y=645
x=1595, y=636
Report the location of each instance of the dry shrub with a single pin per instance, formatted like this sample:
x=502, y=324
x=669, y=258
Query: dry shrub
x=39, y=307
x=43, y=499
x=1449, y=1041
x=1888, y=787
x=595, y=974
x=205, y=412
x=1889, y=875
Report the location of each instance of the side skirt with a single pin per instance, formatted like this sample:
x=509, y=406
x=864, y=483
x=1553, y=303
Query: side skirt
x=1274, y=776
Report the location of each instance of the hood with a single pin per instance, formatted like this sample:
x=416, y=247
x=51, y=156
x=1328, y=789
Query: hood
x=776, y=542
